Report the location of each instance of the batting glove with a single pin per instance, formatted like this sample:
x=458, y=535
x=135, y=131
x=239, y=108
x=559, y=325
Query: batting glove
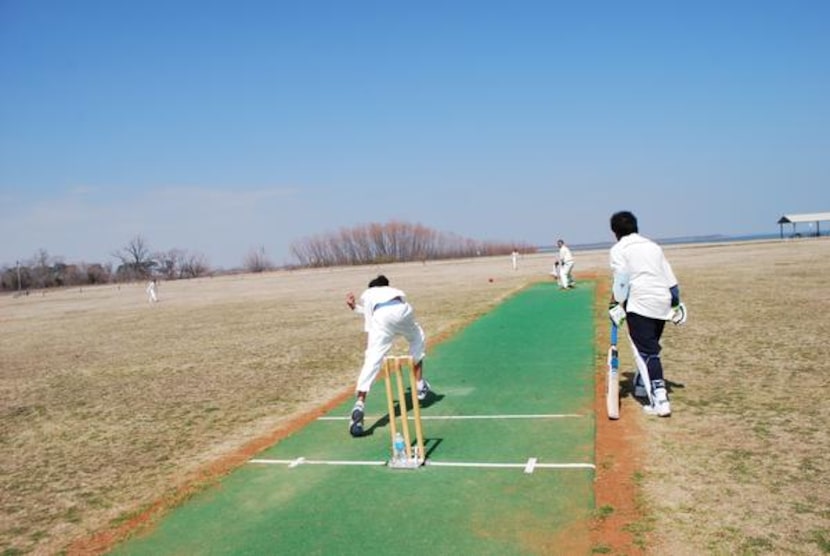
x=679, y=314
x=617, y=314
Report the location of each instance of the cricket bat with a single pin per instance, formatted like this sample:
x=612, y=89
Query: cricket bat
x=612, y=384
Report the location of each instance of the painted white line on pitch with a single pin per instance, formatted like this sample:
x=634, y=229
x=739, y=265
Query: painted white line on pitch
x=302, y=461
x=532, y=463
x=537, y=465
x=464, y=417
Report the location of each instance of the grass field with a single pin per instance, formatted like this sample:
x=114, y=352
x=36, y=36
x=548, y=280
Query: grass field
x=110, y=405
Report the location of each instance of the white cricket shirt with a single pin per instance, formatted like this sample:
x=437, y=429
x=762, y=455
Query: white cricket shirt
x=372, y=297
x=649, y=273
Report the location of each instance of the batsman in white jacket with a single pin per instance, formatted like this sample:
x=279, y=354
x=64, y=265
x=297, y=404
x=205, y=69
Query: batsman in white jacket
x=386, y=315
x=645, y=295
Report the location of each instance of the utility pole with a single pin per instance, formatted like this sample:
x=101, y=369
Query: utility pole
x=18, y=276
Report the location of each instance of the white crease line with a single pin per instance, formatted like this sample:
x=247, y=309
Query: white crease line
x=462, y=417
x=532, y=463
x=511, y=465
x=302, y=461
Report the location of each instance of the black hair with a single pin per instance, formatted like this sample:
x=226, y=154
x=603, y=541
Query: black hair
x=623, y=223
x=381, y=280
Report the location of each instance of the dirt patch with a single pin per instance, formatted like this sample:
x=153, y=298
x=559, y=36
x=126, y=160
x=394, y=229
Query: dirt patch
x=618, y=458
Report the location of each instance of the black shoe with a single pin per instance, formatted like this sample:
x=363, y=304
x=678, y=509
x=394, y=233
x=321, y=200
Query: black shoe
x=356, y=425
x=424, y=392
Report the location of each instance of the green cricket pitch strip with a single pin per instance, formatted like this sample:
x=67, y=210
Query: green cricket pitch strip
x=509, y=456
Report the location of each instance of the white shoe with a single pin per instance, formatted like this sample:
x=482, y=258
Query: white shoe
x=661, y=402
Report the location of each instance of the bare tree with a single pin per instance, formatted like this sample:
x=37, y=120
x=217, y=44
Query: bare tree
x=390, y=242
x=135, y=258
x=16, y=279
x=97, y=273
x=194, y=265
x=40, y=269
x=257, y=261
x=170, y=263
x=66, y=274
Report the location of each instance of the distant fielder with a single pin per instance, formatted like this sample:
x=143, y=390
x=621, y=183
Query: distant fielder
x=152, y=291
x=386, y=315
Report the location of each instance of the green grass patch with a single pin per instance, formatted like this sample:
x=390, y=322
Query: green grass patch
x=821, y=537
x=603, y=512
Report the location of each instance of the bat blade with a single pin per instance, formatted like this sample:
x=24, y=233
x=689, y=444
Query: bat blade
x=612, y=381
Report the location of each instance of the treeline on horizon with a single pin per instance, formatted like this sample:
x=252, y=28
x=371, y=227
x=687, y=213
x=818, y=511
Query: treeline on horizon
x=392, y=242
x=361, y=245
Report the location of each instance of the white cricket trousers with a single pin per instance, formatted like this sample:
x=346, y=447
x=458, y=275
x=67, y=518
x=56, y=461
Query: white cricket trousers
x=387, y=323
x=565, y=274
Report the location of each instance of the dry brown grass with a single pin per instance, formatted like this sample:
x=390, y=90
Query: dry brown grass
x=108, y=404
x=742, y=466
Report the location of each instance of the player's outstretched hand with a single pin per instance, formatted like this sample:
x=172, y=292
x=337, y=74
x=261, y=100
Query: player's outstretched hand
x=350, y=301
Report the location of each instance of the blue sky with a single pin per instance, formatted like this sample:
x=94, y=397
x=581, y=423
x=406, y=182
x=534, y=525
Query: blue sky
x=222, y=127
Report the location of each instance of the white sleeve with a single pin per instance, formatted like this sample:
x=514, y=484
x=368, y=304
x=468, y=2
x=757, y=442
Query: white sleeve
x=622, y=283
x=366, y=309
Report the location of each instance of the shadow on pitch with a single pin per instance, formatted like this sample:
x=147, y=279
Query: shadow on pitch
x=383, y=422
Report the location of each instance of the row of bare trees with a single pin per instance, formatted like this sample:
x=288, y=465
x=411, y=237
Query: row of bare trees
x=392, y=242
x=367, y=244
x=43, y=271
x=137, y=262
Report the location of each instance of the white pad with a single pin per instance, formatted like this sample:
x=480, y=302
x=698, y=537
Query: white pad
x=643, y=370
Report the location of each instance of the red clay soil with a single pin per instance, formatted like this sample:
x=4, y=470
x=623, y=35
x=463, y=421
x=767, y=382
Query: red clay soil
x=617, y=459
x=618, y=454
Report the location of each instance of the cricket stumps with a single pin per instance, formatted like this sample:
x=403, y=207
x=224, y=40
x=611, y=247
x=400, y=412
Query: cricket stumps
x=409, y=457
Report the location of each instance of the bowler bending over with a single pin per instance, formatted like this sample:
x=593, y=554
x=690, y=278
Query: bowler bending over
x=386, y=315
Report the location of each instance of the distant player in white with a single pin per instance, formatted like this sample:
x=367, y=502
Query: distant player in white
x=566, y=264
x=515, y=260
x=152, y=291
x=386, y=315
x=645, y=295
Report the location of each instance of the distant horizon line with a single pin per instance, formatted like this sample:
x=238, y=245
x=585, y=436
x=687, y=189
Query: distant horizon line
x=682, y=240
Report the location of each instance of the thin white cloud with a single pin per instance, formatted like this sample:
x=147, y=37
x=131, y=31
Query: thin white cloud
x=89, y=223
